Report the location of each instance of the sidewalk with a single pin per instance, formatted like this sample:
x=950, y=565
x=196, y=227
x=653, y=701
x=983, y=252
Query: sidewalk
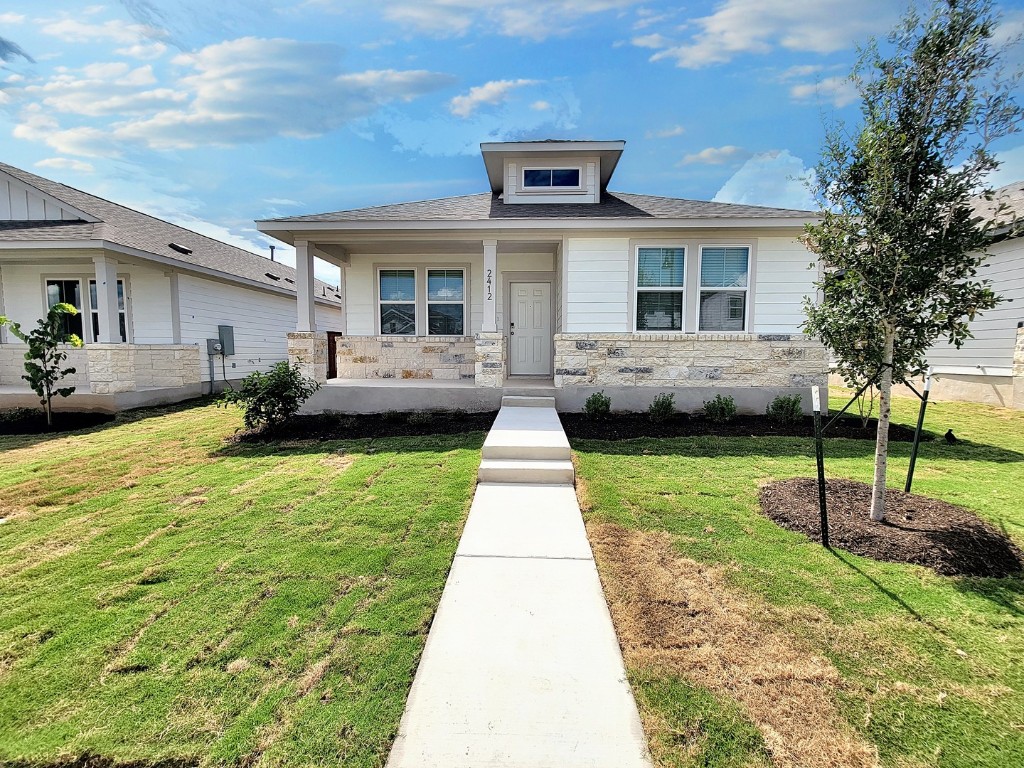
x=521, y=666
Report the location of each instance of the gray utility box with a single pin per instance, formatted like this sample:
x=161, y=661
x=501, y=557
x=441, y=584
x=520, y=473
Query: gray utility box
x=227, y=339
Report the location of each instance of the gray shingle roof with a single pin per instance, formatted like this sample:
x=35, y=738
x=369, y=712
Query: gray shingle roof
x=613, y=205
x=1011, y=196
x=130, y=228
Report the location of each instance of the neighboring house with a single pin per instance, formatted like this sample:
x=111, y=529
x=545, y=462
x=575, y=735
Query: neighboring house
x=551, y=282
x=150, y=294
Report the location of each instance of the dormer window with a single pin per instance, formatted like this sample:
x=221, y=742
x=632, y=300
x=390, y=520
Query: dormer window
x=551, y=178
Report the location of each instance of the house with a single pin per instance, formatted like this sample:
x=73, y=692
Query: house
x=550, y=283
x=149, y=293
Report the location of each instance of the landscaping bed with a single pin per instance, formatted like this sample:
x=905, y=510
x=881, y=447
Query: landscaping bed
x=628, y=426
x=336, y=426
x=918, y=530
x=30, y=421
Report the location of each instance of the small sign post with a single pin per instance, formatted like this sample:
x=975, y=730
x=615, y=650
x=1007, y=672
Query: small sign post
x=819, y=450
x=917, y=431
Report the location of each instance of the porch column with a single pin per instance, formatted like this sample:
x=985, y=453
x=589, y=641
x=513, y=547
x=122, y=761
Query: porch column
x=490, y=321
x=106, y=301
x=304, y=287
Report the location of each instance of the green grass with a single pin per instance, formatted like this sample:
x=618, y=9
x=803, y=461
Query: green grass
x=164, y=596
x=932, y=667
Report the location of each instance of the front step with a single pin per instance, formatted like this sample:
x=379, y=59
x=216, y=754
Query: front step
x=525, y=401
x=528, y=472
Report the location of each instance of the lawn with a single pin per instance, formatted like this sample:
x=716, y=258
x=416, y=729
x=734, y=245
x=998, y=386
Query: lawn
x=747, y=644
x=168, y=597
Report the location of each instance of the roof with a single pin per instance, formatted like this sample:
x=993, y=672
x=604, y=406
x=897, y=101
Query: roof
x=1012, y=198
x=496, y=152
x=613, y=206
x=129, y=228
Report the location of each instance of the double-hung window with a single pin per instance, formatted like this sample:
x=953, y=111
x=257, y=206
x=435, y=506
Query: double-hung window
x=67, y=292
x=86, y=324
x=94, y=310
x=398, y=302
x=660, y=288
x=412, y=300
x=446, y=302
x=724, y=285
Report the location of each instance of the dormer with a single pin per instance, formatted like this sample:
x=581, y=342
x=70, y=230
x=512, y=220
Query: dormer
x=529, y=172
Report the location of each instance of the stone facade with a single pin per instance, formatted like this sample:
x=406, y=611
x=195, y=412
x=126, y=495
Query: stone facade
x=136, y=367
x=490, y=359
x=308, y=350
x=12, y=367
x=692, y=360
x=1018, y=371
x=448, y=358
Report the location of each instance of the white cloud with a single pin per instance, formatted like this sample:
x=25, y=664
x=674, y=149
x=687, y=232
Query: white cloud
x=9, y=19
x=761, y=26
x=775, y=179
x=840, y=91
x=66, y=163
x=540, y=105
x=665, y=133
x=494, y=92
x=144, y=51
x=717, y=156
x=72, y=30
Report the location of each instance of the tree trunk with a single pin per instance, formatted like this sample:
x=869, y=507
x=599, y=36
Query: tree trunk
x=882, y=436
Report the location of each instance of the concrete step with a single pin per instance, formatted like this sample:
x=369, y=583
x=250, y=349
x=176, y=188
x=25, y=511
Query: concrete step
x=511, y=451
x=527, y=401
x=531, y=472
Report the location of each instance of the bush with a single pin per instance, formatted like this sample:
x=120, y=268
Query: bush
x=720, y=409
x=662, y=407
x=598, y=405
x=271, y=398
x=784, y=410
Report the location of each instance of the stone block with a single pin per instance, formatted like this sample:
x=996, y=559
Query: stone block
x=704, y=373
x=586, y=345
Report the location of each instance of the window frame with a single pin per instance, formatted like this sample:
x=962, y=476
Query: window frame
x=523, y=189
x=415, y=303
x=421, y=304
x=637, y=289
x=427, y=300
x=96, y=310
x=83, y=281
x=723, y=289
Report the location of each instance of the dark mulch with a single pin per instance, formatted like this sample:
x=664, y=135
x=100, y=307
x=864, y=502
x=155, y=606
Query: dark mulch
x=626, y=426
x=28, y=421
x=89, y=760
x=950, y=540
x=334, y=426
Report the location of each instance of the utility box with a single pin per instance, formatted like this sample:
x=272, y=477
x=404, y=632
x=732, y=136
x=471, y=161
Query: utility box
x=213, y=347
x=227, y=339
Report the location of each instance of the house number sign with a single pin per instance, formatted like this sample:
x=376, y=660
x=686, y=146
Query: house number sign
x=490, y=283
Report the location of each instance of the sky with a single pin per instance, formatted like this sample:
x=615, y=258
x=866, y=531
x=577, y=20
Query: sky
x=213, y=113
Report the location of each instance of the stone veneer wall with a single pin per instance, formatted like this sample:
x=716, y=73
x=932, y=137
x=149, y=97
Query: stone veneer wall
x=406, y=357
x=691, y=360
x=135, y=367
x=308, y=350
x=12, y=366
x=490, y=359
x=1018, y=371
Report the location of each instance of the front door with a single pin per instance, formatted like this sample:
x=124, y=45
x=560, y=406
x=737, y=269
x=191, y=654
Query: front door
x=530, y=329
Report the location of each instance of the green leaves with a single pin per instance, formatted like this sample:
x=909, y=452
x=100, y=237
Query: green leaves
x=271, y=398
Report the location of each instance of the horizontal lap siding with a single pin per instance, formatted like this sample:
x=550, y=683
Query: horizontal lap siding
x=597, y=293
x=149, y=303
x=782, y=280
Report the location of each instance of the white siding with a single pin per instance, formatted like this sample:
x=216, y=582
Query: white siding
x=996, y=330
x=18, y=203
x=597, y=294
x=590, y=180
x=149, y=304
x=783, y=278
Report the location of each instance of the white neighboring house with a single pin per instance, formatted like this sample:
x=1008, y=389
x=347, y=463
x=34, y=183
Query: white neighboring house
x=150, y=294
x=550, y=283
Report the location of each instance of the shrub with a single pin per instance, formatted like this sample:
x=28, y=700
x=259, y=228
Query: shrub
x=662, y=407
x=784, y=410
x=720, y=409
x=598, y=405
x=271, y=398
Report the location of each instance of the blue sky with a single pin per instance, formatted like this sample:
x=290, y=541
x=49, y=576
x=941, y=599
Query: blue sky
x=212, y=113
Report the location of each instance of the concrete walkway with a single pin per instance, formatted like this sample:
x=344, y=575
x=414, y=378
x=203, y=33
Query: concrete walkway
x=521, y=667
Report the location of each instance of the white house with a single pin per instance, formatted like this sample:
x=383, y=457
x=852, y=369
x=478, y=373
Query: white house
x=549, y=281
x=150, y=296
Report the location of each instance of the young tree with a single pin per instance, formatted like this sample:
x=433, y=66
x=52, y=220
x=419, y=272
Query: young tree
x=45, y=356
x=898, y=239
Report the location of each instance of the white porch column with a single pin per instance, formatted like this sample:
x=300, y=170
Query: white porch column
x=490, y=286
x=304, y=287
x=106, y=301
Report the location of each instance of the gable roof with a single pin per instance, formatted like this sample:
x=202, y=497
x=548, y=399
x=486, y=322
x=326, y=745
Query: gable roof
x=1012, y=197
x=129, y=228
x=613, y=206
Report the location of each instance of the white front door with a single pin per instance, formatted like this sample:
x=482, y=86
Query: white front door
x=530, y=330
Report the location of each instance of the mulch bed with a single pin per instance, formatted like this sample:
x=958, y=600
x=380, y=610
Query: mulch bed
x=334, y=426
x=627, y=426
x=950, y=540
x=27, y=421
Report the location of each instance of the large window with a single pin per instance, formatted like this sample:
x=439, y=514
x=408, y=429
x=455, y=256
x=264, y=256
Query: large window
x=95, y=312
x=86, y=324
x=398, y=302
x=551, y=178
x=446, y=302
x=659, y=288
x=406, y=308
x=67, y=292
x=724, y=285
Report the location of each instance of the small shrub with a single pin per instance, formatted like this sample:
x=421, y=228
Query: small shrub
x=720, y=409
x=420, y=418
x=598, y=405
x=268, y=399
x=662, y=407
x=784, y=410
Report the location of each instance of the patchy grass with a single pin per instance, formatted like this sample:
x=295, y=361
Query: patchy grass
x=925, y=670
x=167, y=597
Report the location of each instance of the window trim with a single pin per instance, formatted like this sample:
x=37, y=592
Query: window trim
x=415, y=303
x=427, y=300
x=96, y=310
x=636, y=288
x=721, y=289
x=422, y=326
x=523, y=189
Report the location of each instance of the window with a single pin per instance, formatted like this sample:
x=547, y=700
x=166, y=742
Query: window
x=67, y=292
x=659, y=288
x=723, y=288
x=446, y=302
x=551, y=178
x=95, y=312
x=398, y=302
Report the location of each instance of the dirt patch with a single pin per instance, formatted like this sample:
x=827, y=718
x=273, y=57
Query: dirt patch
x=89, y=760
x=628, y=426
x=679, y=616
x=334, y=426
x=950, y=540
x=29, y=421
